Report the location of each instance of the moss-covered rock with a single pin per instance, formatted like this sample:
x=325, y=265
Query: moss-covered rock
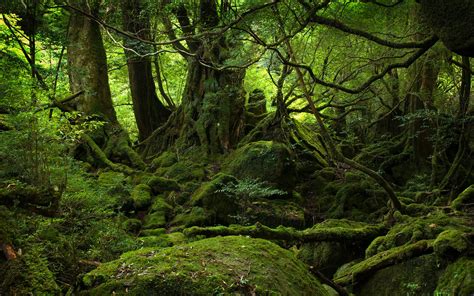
x=413, y=229
x=274, y=213
x=196, y=216
x=183, y=171
x=166, y=159
x=160, y=184
x=328, y=256
x=267, y=161
x=221, y=265
x=457, y=279
x=466, y=197
x=450, y=243
x=417, y=276
x=209, y=197
x=141, y=196
x=157, y=216
x=132, y=225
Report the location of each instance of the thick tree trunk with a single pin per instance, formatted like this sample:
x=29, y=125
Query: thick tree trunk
x=87, y=64
x=149, y=112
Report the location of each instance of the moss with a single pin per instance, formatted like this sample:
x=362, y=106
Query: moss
x=166, y=159
x=196, y=216
x=466, y=197
x=451, y=242
x=328, y=256
x=153, y=232
x=274, y=213
x=209, y=197
x=363, y=269
x=132, y=225
x=182, y=171
x=457, y=279
x=159, y=211
x=141, y=196
x=417, y=276
x=267, y=161
x=413, y=229
x=160, y=184
x=222, y=265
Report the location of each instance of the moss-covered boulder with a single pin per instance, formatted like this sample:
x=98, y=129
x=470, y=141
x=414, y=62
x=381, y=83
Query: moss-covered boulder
x=195, y=216
x=221, y=265
x=157, y=216
x=328, y=256
x=417, y=276
x=457, y=279
x=273, y=213
x=160, y=184
x=183, y=171
x=464, y=199
x=210, y=197
x=413, y=229
x=166, y=159
x=266, y=161
x=141, y=196
x=452, y=23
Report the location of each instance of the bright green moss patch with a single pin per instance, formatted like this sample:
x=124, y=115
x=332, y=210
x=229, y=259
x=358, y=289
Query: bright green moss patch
x=157, y=216
x=450, y=242
x=227, y=265
x=160, y=184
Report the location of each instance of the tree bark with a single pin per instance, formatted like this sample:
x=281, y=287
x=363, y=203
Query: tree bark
x=87, y=63
x=149, y=111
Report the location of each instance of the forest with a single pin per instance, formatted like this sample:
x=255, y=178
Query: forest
x=236, y=147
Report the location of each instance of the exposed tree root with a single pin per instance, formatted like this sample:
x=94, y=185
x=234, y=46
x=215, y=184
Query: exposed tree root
x=258, y=230
x=384, y=259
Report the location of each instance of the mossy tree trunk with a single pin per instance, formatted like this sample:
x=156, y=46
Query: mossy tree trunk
x=211, y=114
x=87, y=66
x=149, y=111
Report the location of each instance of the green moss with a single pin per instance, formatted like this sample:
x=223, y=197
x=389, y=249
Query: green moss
x=196, y=216
x=132, y=225
x=160, y=184
x=141, y=196
x=267, y=161
x=166, y=159
x=222, y=265
x=457, y=279
x=153, y=232
x=466, y=197
x=450, y=242
x=274, y=213
x=328, y=256
x=159, y=211
x=183, y=171
x=209, y=197
x=413, y=229
x=417, y=276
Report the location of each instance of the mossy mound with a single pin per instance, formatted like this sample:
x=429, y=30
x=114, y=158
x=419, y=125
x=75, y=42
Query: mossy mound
x=183, y=171
x=452, y=23
x=417, y=276
x=457, y=279
x=413, y=229
x=157, y=216
x=328, y=256
x=141, y=196
x=266, y=161
x=464, y=199
x=210, y=197
x=274, y=213
x=221, y=265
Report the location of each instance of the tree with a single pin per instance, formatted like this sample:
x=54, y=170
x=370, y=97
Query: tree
x=150, y=113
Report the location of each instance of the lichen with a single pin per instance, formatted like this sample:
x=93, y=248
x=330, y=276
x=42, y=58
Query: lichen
x=222, y=265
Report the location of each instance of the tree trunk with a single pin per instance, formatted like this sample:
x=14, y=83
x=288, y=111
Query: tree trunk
x=149, y=112
x=87, y=64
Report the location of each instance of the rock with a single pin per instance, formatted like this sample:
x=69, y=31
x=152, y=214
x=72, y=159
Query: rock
x=221, y=265
x=457, y=279
x=266, y=161
x=141, y=196
x=464, y=199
